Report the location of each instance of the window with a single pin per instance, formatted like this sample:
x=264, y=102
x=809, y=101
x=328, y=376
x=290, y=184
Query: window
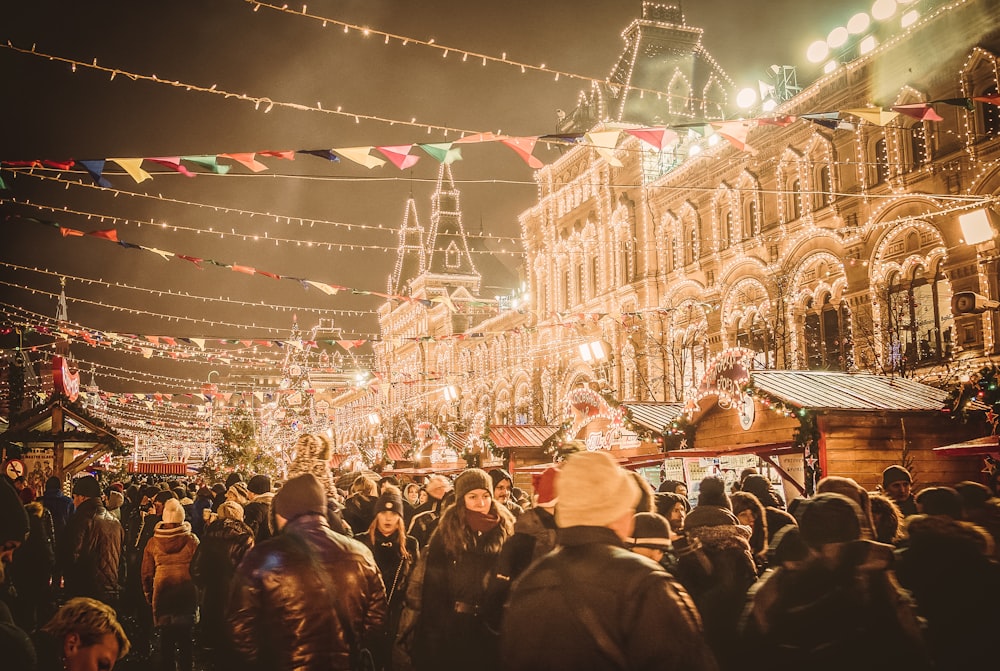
x=990, y=114
x=593, y=276
x=914, y=324
x=826, y=333
x=754, y=333
x=880, y=161
x=691, y=246
x=824, y=187
x=918, y=145
x=694, y=357
x=794, y=211
x=726, y=230
x=750, y=219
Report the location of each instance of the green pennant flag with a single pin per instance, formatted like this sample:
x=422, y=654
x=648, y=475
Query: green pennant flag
x=3, y=184
x=442, y=152
x=209, y=162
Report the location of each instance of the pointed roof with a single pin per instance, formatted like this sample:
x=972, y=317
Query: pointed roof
x=410, y=254
x=447, y=246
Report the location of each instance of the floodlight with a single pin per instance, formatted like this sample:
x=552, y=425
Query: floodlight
x=817, y=51
x=976, y=227
x=883, y=9
x=858, y=24
x=837, y=37
x=867, y=44
x=909, y=18
x=746, y=98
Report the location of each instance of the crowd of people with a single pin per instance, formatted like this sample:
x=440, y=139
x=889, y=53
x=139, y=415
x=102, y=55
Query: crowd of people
x=594, y=570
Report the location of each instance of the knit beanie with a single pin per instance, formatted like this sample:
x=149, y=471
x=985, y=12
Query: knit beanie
x=498, y=475
x=173, y=513
x=53, y=482
x=545, y=487
x=233, y=478
x=164, y=496
x=230, y=510
x=712, y=492
x=940, y=501
x=709, y=516
x=390, y=501
x=115, y=500
x=895, y=474
x=471, y=479
x=651, y=531
x=299, y=496
x=259, y=484
x=830, y=518
x=593, y=491
x=87, y=486
x=13, y=519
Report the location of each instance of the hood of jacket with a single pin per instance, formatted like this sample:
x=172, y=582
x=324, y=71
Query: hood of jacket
x=172, y=539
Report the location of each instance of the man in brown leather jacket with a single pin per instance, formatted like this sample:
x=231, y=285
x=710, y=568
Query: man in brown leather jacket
x=592, y=604
x=308, y=598
x=90, y=548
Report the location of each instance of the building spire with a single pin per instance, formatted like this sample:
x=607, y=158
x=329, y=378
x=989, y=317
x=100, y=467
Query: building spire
x=447, y=245
x=410, y=254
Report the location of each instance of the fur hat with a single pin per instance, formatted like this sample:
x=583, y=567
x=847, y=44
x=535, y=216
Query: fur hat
x=115, y=500
x=593, y=491
x=830, y=518
x=651, y=531
x=13, y=519
x=87, y=486
x=895, y=474
x=299, y=496
x=712, y=492
x=710, y=516
x=760, y=486
x=390, y=500
x=498, y=475
x=173, y=513
x=259, y=484
x=230, y=510
x=239, y=493
x=471, y=479
x=544, y=484
x=940, y=501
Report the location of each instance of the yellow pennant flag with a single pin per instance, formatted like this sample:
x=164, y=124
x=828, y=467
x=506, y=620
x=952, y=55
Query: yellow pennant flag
x=875, y=115
x=605, y=143
x=133, y=166
x=360, y=155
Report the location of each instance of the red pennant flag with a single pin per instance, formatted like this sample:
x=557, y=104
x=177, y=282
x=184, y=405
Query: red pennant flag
x=523, y=146
x=657, y=138
x=169, y=341
x=244, y=269
x=172, y=162
x=921, y=111
x=346, y=344
x=247, y=160
x=287, y=155
x=267, y=274
x=399, y=155
x=247, y=343
x=193, y=259
x=781, y=121
x=59, y=165
x=66, y=232
x=153, y=339
x=991, y=99
x=108, y=234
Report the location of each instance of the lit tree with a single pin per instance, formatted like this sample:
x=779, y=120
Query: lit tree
x=237, y=449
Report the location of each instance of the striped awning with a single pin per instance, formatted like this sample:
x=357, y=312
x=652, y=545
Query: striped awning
x=158, y=467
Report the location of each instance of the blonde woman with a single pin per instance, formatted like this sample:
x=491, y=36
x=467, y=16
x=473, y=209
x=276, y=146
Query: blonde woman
x=84, y=634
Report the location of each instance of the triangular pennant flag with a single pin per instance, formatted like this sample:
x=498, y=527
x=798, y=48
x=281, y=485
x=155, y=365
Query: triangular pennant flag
x=153, y=339
x=200, y=342
x=95, y=169
x=133, y=166
x=921, y=111
x=780, y=121
x=70, y=232
x=147, y=352
x=993, y=99
x=604, y=143
x=735, y=132
x=957, y=102
x=400, y=155
x=875, y=115
x=286, y=154
x=322, y=153
x=130, y=245
x=3, y=184
x=193, y=259
x=169, y=341
x=813, y=116
x=209, y=162
x=163, y=254
x=325, y=288
x=523, y=146
x=108, y=234
x=443, y=152
x=346, y=344
x=247, y=270
x=259, y=395
x=66, y=165
x=172, y=162
x=657, y=138
x=273, y=276
x=361, y=156
x=247, y=161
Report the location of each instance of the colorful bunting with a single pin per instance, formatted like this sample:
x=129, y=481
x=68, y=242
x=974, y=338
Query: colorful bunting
x=361, y=156
x=875, y=115
x=657, y=138
x=523, y=146
x=209, y=162
x=604, y=143
x=172, y=162
x=96, y=169
x=133, y=166
x=442, y=152
x=321, y=153
x=921, y=111
x=246, y=160
x=400, y=155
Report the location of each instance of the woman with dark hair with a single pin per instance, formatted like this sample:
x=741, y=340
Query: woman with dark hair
x=750, y=513
x=395, y=553
x=676, y=487
x=887, y=521
x=359, y=509
x=442, y=627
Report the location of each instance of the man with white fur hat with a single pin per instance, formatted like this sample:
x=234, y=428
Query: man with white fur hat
x=591, y=603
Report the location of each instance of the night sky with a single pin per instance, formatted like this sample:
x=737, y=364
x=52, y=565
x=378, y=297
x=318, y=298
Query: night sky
x=51, y=112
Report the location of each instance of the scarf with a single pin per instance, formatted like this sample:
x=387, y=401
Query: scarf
x=481, y=523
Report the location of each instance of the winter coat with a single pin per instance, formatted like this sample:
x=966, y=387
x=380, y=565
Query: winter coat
x=839, y=611
x=61, y=507
x=445, y=629
x=257, y=515
x=223, y=545
x=424, y=522
x=201, y=504
x=947, y=567
x=166, y=574
x=90, y=551
x=359, y=511
x=647, y=616
x=306, y=599
x=34, y=560
x=395, y=575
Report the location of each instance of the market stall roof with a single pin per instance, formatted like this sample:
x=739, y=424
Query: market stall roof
x=396, y=451
x=829, y=390
x=760, y=449
x=976, y=447
x=159, y=467
x=522, y=435
x=654, y=416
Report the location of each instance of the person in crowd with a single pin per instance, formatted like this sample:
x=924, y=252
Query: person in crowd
x=308, y=597
x=897, y=485
x=774, y=507
x=839, y=607
x=83, y=635
x=187, y=503
x=18, y=650
x=948, y=566
x=534, y=536
x=89, y=553
x=650, y=536
x=647, y=497
x=592, y=604
x=26, y=494
x=168, y=587
x=503, y=488
x=218, y=495
x=425, y=518
x=850, y=488
x=411, y=500
x=57, y=503
x=750, y=513
x=238, y=493
x=202, y=510
x=887, y=521
x=32, y=568
x=676, y=487
x=442, y=627
x=223, y=545
x=386, y=481
x=312, y=455
x=724, y=542
x=14, y=527
x=113, y=501
x=257, y=513
x=359, y=509
x=939, y=501
x=674, y=508
x=143, y=614
x=395, y=554
x=980, y=507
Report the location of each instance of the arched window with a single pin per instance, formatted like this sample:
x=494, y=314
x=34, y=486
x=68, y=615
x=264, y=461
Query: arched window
x=694, y=357
x=827, y=335
x=750, y=219
x=726, y=226
x=794, y=211
x=914, y=324
x=824, y=187
x=754, y=333
x=691, y=248
x=880, y=161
